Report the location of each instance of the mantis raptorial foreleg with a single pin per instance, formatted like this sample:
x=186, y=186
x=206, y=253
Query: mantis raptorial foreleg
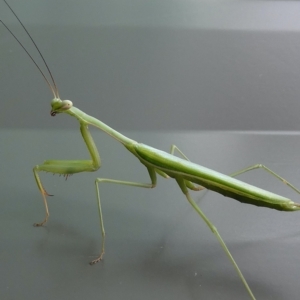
x=260, y=166
x=68, y=167
x=182, y=185
x=44, y=194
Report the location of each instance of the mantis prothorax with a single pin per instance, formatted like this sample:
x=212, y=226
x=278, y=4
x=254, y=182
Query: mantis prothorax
x=186, y=173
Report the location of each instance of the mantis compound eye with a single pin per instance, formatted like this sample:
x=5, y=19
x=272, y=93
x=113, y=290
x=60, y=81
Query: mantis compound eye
x=66, y=104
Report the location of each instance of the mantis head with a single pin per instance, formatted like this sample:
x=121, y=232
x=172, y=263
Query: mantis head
x=60, y=106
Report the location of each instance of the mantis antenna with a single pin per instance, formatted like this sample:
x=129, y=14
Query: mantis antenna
x=53, y=88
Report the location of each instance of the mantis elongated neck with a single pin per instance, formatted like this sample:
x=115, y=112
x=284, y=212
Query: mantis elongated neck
x=84, y=118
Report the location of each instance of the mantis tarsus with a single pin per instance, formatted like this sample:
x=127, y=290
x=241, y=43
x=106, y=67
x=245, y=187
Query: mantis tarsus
x=167, y=165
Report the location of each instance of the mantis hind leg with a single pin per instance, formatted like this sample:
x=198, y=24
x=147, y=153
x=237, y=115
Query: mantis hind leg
x=182, y=185
x=260, y=166
x=256, y=166
x=172, y=151
x=152, y=173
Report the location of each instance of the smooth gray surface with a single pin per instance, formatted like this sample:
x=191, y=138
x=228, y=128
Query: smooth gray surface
x=157, y=246
x=163, y=64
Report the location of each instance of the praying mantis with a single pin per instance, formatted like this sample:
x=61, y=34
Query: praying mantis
x=188, y=175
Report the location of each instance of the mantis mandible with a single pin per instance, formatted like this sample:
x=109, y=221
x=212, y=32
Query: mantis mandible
x=188, y=175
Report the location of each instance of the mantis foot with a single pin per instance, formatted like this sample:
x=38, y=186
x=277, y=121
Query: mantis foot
x=39, y=224
x=93, y=262
x=44, y=192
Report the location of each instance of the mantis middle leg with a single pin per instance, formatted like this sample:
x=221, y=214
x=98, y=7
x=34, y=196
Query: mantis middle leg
x=153, y=178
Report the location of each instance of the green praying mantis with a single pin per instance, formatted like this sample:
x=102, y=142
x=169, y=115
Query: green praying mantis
x=188, y=175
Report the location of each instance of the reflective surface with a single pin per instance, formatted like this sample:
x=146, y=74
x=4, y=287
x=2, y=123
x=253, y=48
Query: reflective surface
x=157, y=247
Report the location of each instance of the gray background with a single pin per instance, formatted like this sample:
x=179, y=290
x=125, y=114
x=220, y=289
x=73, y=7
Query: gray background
x=151, y=65
x=158, y=71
